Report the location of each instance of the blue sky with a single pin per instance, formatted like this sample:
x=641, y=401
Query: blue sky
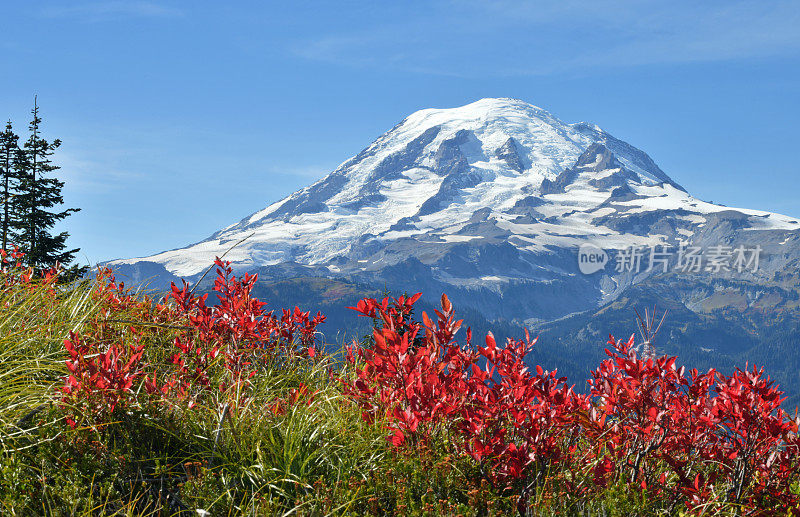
x=179, y=118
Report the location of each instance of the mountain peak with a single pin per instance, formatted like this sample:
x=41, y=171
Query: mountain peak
x=483, y=111
x=487, y=106
x=497, y=170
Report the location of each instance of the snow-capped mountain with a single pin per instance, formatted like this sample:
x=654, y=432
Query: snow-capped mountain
x=490, y=202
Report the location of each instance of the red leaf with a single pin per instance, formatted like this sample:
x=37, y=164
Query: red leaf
x=398, y=438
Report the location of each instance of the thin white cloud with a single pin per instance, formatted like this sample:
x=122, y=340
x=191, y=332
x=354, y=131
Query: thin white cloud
x=463, y=38
x=733, y=31
x=98, y=11
x=87, y=175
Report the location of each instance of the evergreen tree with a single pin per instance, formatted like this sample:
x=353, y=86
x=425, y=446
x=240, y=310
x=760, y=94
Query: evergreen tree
x=10, y=157
x=37, y=198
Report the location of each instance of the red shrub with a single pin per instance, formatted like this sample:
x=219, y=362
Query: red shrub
x=723, y=439
x=698, y=441
x=755, y=443
x=238, y=328
x=101, y=377
x=417, y=383
x=513, y=421
x=237, y=334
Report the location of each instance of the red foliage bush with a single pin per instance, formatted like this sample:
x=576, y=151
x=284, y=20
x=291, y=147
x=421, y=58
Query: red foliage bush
x=724, y=439
x=101, y=377
x=701, y=441
x=226, y=341
x=239, y=328
x=514, y=422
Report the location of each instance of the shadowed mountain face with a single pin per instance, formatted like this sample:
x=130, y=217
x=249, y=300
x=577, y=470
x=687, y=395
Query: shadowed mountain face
x=491, y=202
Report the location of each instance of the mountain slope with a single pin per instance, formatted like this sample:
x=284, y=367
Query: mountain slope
x=489, y=202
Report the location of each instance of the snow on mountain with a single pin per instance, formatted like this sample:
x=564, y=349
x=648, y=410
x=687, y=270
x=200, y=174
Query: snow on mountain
x=494, y=196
